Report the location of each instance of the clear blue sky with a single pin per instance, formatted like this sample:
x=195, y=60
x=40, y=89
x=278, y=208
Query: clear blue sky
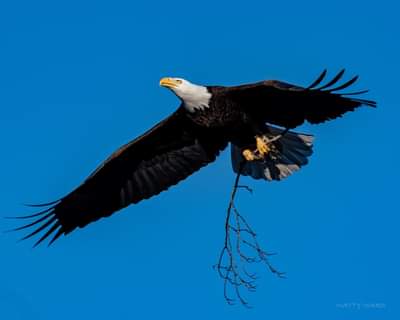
x=80, y=78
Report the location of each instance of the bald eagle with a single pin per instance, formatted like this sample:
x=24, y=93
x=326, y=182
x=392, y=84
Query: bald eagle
x=207, y=120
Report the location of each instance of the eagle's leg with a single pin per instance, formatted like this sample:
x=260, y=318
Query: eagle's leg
x=264, y=144
x=261, y=151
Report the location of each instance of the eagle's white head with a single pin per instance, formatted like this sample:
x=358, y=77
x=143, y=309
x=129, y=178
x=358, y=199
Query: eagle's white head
x=194, y=96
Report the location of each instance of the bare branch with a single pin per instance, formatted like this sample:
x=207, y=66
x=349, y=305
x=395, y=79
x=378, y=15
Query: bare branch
x=240, y=249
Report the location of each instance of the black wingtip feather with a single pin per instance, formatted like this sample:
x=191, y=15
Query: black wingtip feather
x=369, y=103
x=56, y=236
x=42, y=204
x=40, y=228
x=33, y=223
x=344, y=85
x=318, y=80
x=49, y=232
x=49, y=214
x=354, y=93
x=32, y=215
x=334, y=80
x=341, y=87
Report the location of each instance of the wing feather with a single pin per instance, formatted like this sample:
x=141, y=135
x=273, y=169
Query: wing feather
x=318, y=80
x=166, y=154
x=334, y=80
x=344, y=85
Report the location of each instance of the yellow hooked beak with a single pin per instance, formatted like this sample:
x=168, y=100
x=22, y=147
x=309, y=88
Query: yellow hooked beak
x=170, y=83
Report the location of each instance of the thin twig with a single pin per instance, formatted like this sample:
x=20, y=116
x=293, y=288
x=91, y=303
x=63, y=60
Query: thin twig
x=233, y=261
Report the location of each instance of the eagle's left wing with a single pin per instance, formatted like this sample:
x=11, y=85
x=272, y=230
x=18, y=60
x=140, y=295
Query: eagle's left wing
x=289, y=105
x=166, y=154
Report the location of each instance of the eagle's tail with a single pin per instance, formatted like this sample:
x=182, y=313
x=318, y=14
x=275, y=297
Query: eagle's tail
x=288, y=154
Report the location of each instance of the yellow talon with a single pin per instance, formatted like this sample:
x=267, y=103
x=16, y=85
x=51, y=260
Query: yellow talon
x=248, y=155
x=261, y=151
x=262, y=146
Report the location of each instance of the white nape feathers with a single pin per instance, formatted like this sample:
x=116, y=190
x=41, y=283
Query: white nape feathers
x=194, y=96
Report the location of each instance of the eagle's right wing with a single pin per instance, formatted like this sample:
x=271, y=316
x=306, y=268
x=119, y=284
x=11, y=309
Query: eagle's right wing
x=166, y=154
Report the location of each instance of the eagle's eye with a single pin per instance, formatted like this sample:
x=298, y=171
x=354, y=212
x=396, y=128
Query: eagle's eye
x=179, y=81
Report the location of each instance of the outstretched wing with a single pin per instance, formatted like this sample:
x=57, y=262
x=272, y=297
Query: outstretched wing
x=289, y=105
x=160, y=158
